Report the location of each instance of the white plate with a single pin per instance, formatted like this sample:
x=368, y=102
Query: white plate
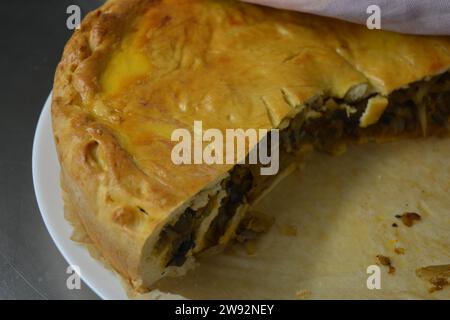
x=46, y=186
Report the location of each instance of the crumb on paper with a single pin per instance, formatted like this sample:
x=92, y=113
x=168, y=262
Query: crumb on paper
x=394, y=225
x=438, y=276
x=303, y=294
x=253, y=225
x=399, y=250
x=408, y=218
x=438, y=284
x=287, y=230
x=386, y=261
x=260, y=223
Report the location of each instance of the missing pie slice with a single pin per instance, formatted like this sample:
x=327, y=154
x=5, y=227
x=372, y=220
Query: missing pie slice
x=139, y=69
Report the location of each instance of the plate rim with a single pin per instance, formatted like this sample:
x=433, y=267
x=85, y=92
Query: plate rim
x=73, y=253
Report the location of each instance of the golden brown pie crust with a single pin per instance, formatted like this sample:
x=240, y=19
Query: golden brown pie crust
x=232, y=65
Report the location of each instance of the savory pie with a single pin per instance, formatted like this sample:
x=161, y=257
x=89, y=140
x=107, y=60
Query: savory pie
x=139, y=69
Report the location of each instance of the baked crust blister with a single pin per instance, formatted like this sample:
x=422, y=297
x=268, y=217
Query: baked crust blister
x=138, y=69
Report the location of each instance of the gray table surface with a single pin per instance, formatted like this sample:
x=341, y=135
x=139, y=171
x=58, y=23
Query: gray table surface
x=33, y=34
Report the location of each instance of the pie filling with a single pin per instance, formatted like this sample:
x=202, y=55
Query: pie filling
x=327, y=124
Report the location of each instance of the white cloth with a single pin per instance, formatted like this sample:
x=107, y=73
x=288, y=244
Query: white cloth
x=407, y=16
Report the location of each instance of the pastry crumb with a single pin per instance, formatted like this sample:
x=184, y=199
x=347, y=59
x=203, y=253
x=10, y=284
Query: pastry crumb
x=260, y=223
x=303, y=294
x=408, y=218
x=253, y=225
x=438, y=276
x=386, y=261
